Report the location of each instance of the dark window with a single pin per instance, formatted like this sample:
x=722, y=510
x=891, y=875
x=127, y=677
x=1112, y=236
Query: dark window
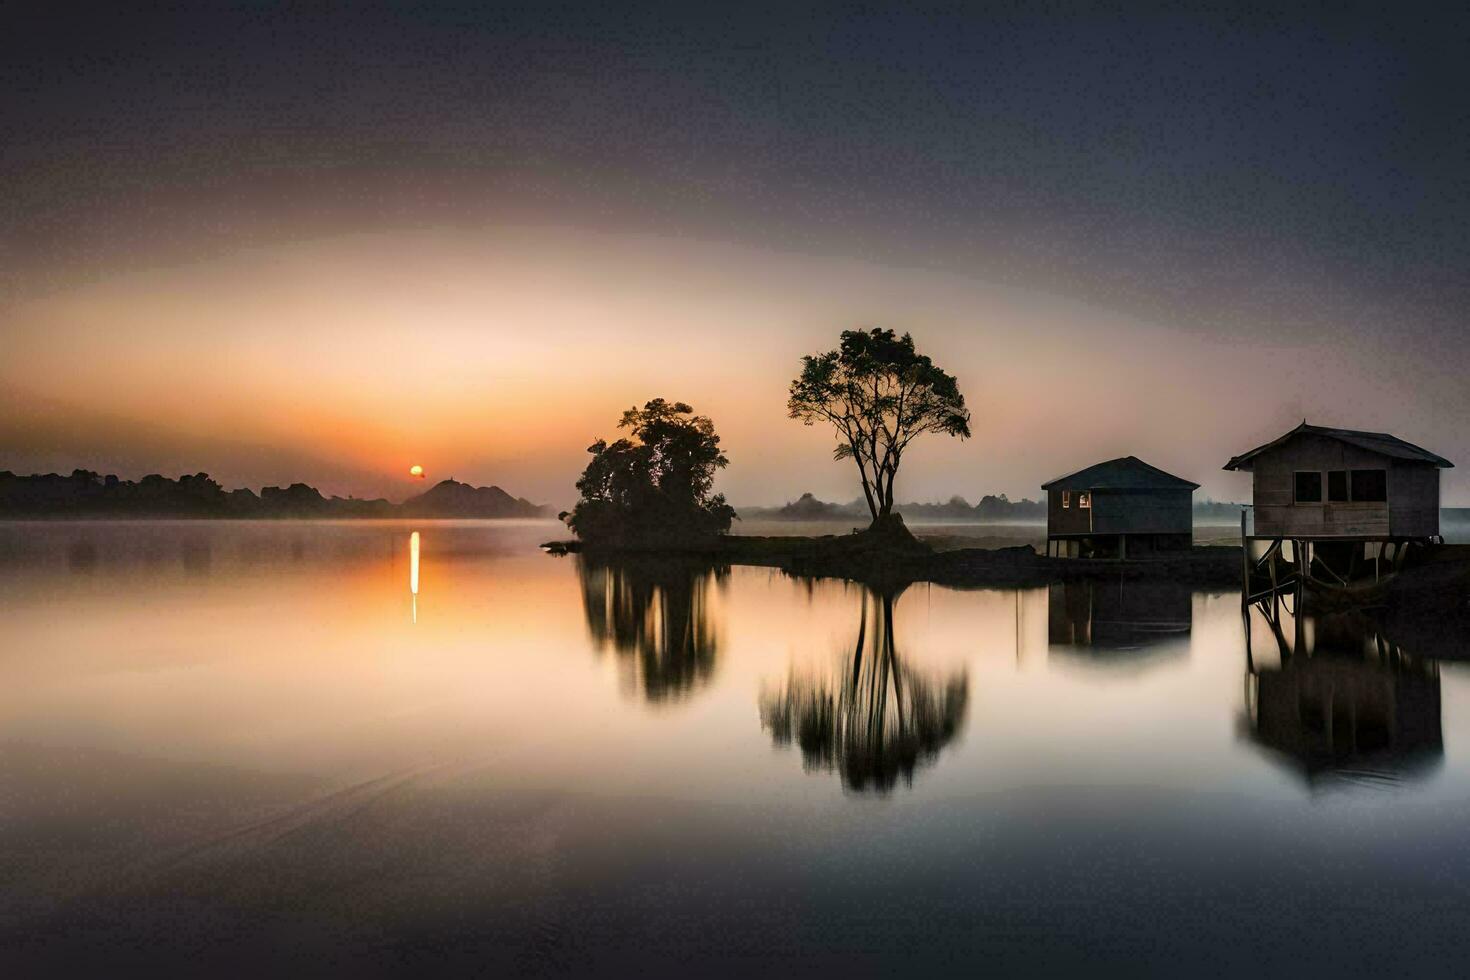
x=1370, y=485
x=1337, y=485
x=1308, y=487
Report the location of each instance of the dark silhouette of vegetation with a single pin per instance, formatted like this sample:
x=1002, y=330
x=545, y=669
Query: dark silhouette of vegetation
x=654, y=489
x=655, y=615
x=88, y=494
x=880, y=721
x=990, y=508
x=880, y=395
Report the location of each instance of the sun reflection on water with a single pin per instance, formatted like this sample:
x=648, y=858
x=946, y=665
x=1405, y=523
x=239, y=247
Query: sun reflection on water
x=413, y=573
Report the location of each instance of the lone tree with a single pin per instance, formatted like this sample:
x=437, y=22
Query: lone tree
x=655, y=488
x=880, y=395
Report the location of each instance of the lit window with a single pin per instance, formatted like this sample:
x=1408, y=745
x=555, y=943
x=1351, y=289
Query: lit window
x=1066, y=499
x=1084, y=500
x=1308, y=487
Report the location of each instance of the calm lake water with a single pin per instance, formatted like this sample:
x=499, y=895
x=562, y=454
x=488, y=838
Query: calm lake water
x=226, y=746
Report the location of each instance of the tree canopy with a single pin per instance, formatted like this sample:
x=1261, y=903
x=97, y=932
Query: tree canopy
x=880, y=395
x=655, y=488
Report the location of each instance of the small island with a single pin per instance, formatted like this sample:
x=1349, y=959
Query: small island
x=651, y=492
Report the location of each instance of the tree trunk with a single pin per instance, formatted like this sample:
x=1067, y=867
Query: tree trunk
x=887, y=494
x=868, y=493
x=863, y=477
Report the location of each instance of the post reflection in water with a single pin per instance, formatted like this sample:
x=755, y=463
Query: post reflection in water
x=413, y=574
x=656, y=616
x=1343, y=703
x=879, y=719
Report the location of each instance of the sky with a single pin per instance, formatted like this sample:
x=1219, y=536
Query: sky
x=325, y=242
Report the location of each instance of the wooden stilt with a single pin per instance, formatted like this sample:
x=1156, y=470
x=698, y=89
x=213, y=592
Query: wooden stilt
x=1275, y=590
x=1245, y=563
x=1299, y=645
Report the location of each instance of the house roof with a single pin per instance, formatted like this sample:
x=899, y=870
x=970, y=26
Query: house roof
x=1375, y=442
x=1123, y=473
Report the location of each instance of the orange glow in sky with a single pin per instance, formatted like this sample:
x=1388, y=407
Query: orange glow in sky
x=504, y=352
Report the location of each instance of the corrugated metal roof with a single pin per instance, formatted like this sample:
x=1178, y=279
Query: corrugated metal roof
x=1375, y=442
x=1123, y=473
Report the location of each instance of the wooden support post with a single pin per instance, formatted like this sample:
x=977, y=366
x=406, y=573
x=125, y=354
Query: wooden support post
x=1250, y=663
x=1245, y=563
x=1275, y=591
x=1300, y=642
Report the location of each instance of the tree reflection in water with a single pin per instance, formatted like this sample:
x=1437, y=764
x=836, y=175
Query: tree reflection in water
x=655, y=615
x=878, y=720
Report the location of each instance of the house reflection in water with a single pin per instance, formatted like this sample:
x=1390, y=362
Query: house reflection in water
x=1344, y=703
x=878, y=719
x=1100, y=616
x=656, y=616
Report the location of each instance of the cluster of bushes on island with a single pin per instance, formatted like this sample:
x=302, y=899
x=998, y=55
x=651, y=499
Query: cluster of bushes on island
x=88, y=494
x=656, y=488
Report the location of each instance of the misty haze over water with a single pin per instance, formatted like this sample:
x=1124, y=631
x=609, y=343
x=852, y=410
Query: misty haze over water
x=406, y=745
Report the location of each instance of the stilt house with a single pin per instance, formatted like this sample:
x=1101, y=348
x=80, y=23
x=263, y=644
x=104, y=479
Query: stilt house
x=1316, y=483
x=1119, y=509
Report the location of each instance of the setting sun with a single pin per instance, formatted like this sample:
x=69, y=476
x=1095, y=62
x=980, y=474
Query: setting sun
x=416, y=471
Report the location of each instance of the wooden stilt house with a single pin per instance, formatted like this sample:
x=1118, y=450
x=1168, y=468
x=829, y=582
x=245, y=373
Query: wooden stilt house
x=1120, y=508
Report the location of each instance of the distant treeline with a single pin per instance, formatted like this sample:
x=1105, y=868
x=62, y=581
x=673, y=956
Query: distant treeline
x=990, y=508
x=1212, y=509
x=87, y=494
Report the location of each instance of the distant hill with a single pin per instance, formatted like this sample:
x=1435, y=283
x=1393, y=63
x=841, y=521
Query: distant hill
x=808, y=508
x=87, y=494
x=450, y=499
